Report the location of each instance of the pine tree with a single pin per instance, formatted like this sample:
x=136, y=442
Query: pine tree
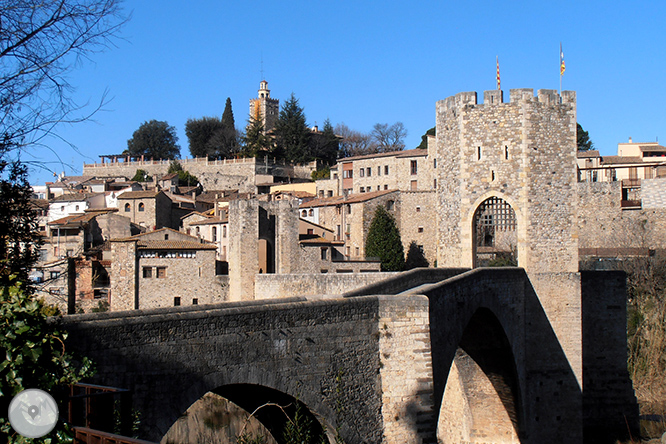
x=583, y=139
x=384, y=241
x=292, y=133
x=324, y=146
x=255, y=141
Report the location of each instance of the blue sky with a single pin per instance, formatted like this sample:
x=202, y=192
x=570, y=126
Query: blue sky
x=362, y=63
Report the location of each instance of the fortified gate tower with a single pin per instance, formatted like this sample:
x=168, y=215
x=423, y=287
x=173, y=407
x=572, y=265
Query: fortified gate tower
x=507, y=180
x=507, y=190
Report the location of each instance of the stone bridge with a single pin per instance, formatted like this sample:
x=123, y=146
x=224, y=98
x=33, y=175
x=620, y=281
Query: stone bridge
x=432, y=355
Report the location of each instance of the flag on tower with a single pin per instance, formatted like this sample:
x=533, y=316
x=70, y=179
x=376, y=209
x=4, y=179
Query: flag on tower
x=498, y=76
x=562, y=67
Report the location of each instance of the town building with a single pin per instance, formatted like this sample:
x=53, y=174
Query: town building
x=163, y=268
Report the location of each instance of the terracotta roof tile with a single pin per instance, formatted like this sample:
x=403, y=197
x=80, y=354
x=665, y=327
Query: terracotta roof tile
x=174, y=245
x=139, y=194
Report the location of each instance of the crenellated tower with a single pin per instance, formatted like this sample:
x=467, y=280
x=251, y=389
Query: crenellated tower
x=507, y=180
x=264, y=108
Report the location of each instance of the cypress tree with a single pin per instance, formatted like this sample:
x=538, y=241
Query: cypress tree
x=384, y=241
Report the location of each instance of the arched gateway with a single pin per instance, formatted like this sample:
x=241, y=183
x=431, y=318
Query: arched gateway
x=494, y=233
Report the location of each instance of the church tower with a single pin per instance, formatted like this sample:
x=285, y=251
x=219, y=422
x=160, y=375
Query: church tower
x=264, y=108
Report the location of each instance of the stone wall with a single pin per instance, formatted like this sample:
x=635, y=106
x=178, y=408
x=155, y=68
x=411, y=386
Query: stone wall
x=124, y=289
x=610, y=410
x=189, y=281
x=273, y=286
x=345, y=359
x=602, y=223
x=418, y=222
x=229, y=174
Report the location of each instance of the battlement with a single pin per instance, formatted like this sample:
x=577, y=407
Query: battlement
x=518, y=95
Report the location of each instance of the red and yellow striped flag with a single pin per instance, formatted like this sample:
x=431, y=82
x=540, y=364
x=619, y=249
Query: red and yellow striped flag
x=498, y=76
x=562, y=67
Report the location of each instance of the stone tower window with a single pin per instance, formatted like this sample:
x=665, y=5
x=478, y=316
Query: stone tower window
x=386, y=170
x=142, y=207
x=127, y=208
x=369, y=171
x=414, y=167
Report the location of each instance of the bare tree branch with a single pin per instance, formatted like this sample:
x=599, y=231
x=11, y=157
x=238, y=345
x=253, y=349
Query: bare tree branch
x=41, y=42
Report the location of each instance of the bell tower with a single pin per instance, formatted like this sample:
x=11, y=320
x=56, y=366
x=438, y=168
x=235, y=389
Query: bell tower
x=264, y=108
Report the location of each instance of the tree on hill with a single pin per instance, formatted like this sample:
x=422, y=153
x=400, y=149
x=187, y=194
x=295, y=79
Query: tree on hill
x=324, y=146
x=141, y=176
x=583, y=139
x=224, y=143
x=184, y=177
x=384, y=241
x=389, y=138
x=154, y=139
x=292, y=134
x=353, y=143
x=255, y=142
x=199, y=132
x=424, y=138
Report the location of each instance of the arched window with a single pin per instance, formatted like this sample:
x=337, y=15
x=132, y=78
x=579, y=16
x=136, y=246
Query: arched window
x=142, y=207
x=304, y=213
x=214, y=234
x=311, y=213
x=224, y=231
x=127, y=208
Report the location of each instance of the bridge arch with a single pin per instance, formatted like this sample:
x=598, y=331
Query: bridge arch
x=496, y=231
x=252, y=388
x=234, y=409
x=482, y=397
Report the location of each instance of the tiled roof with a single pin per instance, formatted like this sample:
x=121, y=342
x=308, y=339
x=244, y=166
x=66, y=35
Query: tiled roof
x=338, y=200
x=74, y=220
x=648, y=148
x=211, y=221
x=138, y=194
x=74, y=197
x=620, y=160
x=317, y=240
x=174, y=245
x=587, y=154
x=405, y=153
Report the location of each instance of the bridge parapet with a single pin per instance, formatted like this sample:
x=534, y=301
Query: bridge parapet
x=356, y=351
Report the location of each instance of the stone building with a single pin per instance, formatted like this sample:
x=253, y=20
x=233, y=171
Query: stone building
x=149, y=209
x=264, y=108
x=211, y=228
x=64, y=205
x=411, y=170
x=163, y=268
